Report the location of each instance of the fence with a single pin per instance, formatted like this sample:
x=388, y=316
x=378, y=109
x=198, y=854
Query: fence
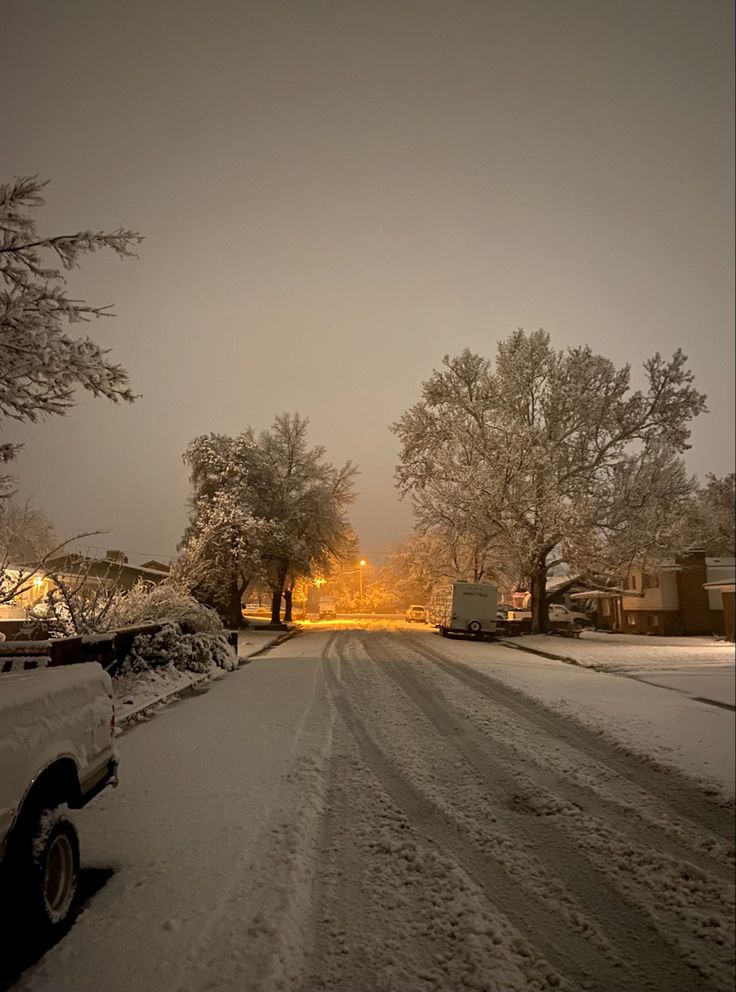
x=109, y=649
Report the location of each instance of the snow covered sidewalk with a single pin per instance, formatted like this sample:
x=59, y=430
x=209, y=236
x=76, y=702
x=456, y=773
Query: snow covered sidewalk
x=138, y=695
x=195, y=835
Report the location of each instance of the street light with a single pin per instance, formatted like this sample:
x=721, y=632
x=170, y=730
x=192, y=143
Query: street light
x=362, y=565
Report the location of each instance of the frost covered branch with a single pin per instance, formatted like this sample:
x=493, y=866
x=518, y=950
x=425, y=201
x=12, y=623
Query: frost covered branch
x=41, y=365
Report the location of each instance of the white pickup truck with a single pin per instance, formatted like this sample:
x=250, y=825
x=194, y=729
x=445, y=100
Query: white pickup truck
x=561, y=620
x=56, y=752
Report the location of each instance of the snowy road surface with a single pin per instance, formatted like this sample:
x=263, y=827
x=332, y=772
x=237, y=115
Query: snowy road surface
x=385, y=810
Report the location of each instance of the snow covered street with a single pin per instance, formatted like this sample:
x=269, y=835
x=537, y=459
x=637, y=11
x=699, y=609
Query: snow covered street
x=382, y=809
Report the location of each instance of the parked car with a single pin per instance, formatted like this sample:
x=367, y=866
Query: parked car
x=56, y=753
x=558, y=612
x=417, y=614
x=560, y=618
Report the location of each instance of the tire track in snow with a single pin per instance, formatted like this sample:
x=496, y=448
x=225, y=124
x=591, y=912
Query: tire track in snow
x=569, y=842
x=684, y=798
x=628, y=814
x=568, y=952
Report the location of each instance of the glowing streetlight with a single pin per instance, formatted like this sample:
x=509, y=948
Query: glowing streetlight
x=362, y=564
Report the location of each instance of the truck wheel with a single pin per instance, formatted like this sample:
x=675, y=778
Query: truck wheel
x=49, y=872
x=474, y=626
x=443, y=631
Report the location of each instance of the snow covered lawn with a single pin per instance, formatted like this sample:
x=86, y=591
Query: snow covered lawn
x=633, y=652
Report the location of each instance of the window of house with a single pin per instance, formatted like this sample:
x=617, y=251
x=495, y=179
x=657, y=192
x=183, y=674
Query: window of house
x=649, y=580
x=653, y=620
x=631, y=620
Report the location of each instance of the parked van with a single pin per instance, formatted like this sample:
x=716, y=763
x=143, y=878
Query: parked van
x=327, y=609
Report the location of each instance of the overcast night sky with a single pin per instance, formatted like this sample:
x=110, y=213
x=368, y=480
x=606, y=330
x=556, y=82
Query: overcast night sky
x=336, y=194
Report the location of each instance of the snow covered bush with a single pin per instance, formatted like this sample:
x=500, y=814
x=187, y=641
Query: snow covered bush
x=197, y=652
x=147, y=602
x=73, y=608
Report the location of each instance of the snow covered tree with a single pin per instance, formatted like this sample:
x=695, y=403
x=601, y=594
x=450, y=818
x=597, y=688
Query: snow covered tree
x=26, y=533
x=221, y=552
x=710, y=523
x=308, y=498
x=262, y=509
x=28, y=548
x=550, y=455
x=42, y=364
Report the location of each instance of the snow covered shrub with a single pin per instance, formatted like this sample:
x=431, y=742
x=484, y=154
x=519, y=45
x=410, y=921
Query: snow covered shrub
x=147, y=602
x=77, y=607
x=69, y=609
x=198, y=652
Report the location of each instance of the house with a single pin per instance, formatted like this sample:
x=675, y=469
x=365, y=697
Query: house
x=156, y=566
x=727, y=591
x=602, y=604
x=684, y=595
x=80, y=572
x=560, y=589
x=111, y=571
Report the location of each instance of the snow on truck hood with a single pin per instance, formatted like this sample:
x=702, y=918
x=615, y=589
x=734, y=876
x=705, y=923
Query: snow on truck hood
x=46, y=713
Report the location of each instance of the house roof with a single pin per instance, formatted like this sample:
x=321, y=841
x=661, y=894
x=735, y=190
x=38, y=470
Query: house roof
x=73, y=563
x=597, y=594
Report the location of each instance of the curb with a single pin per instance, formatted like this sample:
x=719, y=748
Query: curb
x=542, y=654
x=272, y=644
x=123, y=719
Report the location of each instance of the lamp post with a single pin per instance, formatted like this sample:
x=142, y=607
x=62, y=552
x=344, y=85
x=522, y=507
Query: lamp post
x=361, y=564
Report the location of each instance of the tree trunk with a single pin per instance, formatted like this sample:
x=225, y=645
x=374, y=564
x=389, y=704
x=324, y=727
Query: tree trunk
x=288, y=596
x=278, y=592
x=276, y=606
x=242, y=586
x=234, y=607
x=540, y=615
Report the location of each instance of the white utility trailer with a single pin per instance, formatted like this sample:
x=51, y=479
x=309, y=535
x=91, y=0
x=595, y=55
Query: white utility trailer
x=466, y=608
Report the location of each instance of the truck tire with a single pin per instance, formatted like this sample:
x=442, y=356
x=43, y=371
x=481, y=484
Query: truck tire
x=475, y=626
x=443, y=631
x=48, y=873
